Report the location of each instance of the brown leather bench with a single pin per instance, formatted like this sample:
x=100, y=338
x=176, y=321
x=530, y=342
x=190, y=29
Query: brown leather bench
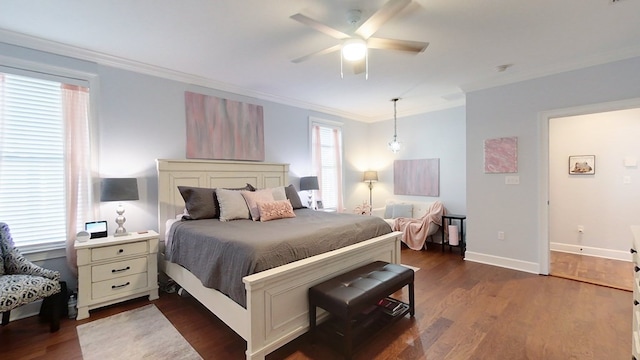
x=350, y=294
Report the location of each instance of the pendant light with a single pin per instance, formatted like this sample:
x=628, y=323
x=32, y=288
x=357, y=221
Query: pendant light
x=394, y=145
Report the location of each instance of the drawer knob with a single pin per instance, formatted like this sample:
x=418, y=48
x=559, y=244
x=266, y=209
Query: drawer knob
x=113, y=287
x=120, y=270
x=120, y=251
x=635, y=302
x=633, y=251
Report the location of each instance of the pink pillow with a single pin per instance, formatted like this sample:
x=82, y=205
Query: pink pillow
x=253, y=197
x=278, y=209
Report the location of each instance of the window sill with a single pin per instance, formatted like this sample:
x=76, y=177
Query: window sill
x=44, y=251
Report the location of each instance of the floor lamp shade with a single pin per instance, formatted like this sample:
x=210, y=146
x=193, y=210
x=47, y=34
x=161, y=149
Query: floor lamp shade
x=119, y=189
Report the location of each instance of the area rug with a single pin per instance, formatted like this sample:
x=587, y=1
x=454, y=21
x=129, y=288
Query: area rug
x=142, y=333
x=415, y=269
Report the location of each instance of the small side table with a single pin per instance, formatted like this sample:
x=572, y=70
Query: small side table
x=446, y=221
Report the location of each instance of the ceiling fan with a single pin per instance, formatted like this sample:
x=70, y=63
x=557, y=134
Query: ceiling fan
x=355, y=47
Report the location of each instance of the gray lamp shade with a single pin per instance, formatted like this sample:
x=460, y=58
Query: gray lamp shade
x=118, y=189
x=309, y=183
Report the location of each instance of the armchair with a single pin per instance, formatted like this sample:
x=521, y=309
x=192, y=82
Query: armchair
x=22, y=282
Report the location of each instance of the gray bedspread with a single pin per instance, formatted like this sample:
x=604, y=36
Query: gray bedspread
x=221, y=253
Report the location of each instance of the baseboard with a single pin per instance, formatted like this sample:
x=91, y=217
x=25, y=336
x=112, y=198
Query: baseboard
x=508, y=263
x=591, y=251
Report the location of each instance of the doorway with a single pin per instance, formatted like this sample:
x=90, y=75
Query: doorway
x=585, y=218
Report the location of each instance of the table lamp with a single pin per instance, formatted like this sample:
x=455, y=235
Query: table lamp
x=309, y=183
x=119, y=189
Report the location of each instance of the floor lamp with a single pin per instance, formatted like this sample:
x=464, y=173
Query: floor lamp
x=370, y=177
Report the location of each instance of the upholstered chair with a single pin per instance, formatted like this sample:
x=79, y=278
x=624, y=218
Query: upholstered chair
x=22, y=282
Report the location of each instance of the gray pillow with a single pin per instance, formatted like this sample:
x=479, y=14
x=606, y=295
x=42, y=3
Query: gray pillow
x=202, y=203
x=292, y=195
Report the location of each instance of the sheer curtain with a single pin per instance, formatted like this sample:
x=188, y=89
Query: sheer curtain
x=327, y=164
x=75, y=105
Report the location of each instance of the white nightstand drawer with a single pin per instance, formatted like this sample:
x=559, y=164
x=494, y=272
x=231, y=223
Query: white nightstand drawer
x=119, y=285
x=118, y=269
x=116, y=251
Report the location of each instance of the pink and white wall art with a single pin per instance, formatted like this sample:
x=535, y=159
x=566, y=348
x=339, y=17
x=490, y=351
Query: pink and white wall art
x=501, y=155
x=416, y=177
x=223, y=129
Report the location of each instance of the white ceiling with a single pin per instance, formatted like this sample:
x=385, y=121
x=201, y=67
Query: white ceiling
x=246, y=46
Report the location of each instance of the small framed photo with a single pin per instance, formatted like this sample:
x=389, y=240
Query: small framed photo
x=319, y=204
x=582, y=165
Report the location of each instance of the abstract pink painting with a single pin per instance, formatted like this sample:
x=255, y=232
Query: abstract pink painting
x=416, y=177
x=223, y=129
x=501, y=155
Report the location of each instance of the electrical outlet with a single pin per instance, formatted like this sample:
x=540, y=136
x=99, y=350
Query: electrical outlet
x=500, y=235
x=580, y=229
x=512, y=179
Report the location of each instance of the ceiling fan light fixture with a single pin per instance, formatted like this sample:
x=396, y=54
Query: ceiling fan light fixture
x=354, y=49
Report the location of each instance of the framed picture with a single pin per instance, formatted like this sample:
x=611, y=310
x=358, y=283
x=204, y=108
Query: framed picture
x=319, y=204
x=582, y=165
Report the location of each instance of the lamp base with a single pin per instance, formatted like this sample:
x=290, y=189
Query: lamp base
x=120, y=231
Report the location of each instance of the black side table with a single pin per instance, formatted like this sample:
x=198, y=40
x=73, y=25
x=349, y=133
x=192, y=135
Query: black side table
x=446, y=221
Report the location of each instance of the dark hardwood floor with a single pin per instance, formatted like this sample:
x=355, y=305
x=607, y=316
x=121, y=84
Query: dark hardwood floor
x=605, y=272
x=464, y=310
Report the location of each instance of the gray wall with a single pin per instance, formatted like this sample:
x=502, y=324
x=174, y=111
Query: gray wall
x=515, y=110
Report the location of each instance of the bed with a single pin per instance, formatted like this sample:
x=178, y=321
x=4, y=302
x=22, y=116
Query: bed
x=276, y=299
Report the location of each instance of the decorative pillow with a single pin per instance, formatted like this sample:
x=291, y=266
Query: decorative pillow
x=292, y=195
x=199, y=202
x=279, y=193
x=232, y=205
x=392, y=211
x=278, y=209
x=202, y=203
x=253, y=197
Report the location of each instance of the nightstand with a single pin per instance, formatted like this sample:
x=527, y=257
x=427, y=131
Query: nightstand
x=115, y=269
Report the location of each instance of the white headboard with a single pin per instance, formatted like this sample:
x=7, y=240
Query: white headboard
x=210, y=174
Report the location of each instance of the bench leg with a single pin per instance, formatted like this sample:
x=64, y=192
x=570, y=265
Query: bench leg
x=312, y=322
x=348, y=340
x=412, y=300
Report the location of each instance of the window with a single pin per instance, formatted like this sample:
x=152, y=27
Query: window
x=44, y=159
x=326, y=152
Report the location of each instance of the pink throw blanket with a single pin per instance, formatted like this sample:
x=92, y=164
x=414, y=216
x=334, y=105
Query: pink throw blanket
x=414, y=231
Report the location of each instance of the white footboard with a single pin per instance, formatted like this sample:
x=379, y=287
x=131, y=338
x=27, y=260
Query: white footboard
x=277, y=307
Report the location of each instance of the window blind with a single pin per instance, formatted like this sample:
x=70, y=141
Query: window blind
x=32, y=160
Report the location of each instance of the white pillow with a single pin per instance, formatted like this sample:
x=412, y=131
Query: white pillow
x=279, y=193
x=232, y=205
x=392, y=211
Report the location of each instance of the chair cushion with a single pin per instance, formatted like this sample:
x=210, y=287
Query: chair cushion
x=17, y=290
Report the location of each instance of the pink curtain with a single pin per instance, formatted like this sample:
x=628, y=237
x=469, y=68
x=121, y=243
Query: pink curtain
x=75, y=100
x=338, y=155
x=317, y=157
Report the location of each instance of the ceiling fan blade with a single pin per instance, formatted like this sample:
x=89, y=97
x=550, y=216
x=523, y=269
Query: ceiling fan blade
x=400, y=45
x=386, y=12
x=320, y=26
x=317, y=53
